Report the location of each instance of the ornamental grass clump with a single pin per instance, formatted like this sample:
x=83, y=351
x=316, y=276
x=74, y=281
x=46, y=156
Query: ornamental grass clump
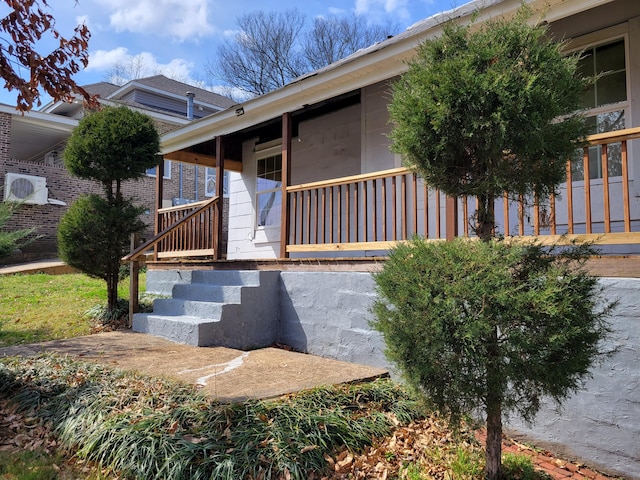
x=149, y=428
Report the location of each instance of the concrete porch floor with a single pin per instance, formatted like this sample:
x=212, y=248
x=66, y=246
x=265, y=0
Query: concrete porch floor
x=227, y=375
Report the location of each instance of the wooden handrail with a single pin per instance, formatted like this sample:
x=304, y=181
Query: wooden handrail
x=614, y=137
x=177, y=208
x=137, y=253
x=351, y=179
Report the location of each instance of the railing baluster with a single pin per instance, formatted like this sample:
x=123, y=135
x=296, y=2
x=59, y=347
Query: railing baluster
x=394, y=208
x=425, y=189
x=569, y=199
x=375, y=209
x=536, y=216
x=323, y=207
x=384, y=209
x=356, y=187
x=605, y=188
x=331, y=189
x=506, y=214
x=552, y=213
x=437, y=213
x=414, y=180
x=403, y=209
x=347, y=211
x=625, y=187
x=365, y=219
x=521, y=215
x=587, y=190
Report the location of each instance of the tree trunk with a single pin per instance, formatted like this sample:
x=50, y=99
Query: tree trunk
x=112, y=291
x=493, y=468
x=485, y=217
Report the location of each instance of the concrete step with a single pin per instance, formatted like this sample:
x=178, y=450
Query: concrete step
x=196, y=331
x=208, y=292
x=180, y=306
x=250, y=278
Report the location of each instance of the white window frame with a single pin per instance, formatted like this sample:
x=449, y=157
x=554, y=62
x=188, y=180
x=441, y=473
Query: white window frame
x=595, y=39
x=151, y=172
x=225, y=187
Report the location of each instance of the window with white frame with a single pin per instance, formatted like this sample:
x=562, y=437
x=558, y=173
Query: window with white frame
x=606, y=103
x=151, y=172
x=210, y=182
x=268, y=190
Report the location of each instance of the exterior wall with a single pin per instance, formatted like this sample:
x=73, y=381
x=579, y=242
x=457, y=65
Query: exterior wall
x=376, y=155
x=328, y=314
x=599, y=425
x=63, y=187
x=327, y=147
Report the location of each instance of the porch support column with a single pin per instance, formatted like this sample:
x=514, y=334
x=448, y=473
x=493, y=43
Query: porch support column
x=158, y=205
x=217, y=233
x=452, y=218
x=286, y=181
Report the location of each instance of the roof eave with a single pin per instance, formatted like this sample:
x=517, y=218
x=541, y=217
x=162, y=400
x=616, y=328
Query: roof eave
x=372, y=65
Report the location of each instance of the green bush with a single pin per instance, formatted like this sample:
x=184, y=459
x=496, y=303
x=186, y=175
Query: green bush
x=486, y=326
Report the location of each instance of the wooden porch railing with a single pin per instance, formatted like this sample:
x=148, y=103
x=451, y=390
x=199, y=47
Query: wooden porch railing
x=186, y=230
x=374, y=211
x=363, y=212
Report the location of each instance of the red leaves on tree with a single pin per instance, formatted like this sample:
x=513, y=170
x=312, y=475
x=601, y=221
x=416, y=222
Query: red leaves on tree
x=25, y=69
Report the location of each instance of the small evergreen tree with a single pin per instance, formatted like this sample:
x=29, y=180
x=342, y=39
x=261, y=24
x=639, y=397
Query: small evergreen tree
x=483, y=325
x=109, y=146
x=11, y=240
x=490, y=111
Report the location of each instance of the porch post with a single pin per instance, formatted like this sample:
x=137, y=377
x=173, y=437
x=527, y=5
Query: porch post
x=158, y=206
x=452, y=218
x=217, y=233
x=286, y=180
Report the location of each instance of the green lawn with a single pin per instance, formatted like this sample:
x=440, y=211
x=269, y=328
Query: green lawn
x=40, y=307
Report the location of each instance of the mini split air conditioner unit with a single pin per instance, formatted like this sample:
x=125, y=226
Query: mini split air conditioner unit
x=25, y=189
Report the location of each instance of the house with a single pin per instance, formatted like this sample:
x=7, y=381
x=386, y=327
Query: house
x=32, y=146
x=316, y=198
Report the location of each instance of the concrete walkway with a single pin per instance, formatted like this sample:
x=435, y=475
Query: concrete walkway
x=53, y=267
x=226, y=374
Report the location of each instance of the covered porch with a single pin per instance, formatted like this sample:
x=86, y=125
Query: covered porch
x=360, y=216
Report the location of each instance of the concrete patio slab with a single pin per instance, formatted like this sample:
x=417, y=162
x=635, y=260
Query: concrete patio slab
x=225, y=374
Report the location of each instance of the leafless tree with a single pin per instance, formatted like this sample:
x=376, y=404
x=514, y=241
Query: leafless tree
x=264, y=54
x=271, y=49
x=135, y=67
x=335, y=37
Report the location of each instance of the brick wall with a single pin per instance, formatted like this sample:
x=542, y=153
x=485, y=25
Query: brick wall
x=63, y=187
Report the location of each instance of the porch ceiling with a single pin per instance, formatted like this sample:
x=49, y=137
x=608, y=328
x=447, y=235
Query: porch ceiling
x=35, y=133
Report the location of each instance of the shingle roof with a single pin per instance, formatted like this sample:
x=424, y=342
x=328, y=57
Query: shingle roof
x=101, y=89
x=166, y=84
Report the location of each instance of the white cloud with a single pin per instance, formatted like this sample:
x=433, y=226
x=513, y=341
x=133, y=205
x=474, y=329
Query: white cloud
x=380, y=9
x=171, y=18
x=147, y=63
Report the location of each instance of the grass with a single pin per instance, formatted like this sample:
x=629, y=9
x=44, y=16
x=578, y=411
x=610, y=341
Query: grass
x=41, y=307
x=148, y=428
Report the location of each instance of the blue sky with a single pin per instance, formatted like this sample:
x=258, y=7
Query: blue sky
x=178, y=37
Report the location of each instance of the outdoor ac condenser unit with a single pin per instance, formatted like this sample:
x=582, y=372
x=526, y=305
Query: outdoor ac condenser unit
x=25, y=189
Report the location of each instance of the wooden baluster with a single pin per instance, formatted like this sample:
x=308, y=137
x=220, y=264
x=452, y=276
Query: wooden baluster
x=438, y=216
x=587, y=190
x=605, y=188
x=625, y=187
x=569, y=199
x=505, y=216
x=521, y=215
